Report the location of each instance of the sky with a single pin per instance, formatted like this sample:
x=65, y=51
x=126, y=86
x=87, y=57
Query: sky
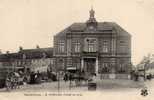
x=28, y=23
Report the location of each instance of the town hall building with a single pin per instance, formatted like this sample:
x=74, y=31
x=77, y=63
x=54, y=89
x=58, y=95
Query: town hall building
x=93, y=47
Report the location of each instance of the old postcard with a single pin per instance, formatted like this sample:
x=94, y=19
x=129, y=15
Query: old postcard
x=76, y=49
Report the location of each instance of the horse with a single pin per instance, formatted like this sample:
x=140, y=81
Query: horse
x=80, y=78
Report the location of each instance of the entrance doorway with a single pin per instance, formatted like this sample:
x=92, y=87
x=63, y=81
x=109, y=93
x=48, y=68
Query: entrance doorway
x=90, y=65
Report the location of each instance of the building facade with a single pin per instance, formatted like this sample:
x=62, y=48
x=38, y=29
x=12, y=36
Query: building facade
x=94, y=47
x=28, y=60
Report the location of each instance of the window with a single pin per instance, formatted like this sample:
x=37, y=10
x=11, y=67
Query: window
x=105, y=46
x=123, y=46
x=69, y=62
x=32, y=61
x=51, y=61
x=91, y=45
x=19, y=63
x=61, y=47
x=121, y=68
x=105, y=67
x=16, y=63
x=23, y=62
x=77, y=46
x=76, y=63
x=61, y=64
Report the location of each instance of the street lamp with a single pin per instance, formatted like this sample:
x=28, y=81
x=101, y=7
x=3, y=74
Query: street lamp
x=58, y=73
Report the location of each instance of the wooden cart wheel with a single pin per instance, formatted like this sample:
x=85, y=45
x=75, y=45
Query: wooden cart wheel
x=11, y=81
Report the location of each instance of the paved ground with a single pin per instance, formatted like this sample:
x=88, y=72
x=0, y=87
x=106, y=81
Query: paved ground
x=107, y=90
x=102, y=85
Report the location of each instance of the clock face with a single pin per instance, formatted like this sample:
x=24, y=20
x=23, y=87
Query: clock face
x=91, y=27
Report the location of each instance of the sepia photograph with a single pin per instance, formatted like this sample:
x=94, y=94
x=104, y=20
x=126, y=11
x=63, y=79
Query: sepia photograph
x=77, y=49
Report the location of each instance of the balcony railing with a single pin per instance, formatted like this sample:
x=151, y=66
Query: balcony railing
x=86, y=53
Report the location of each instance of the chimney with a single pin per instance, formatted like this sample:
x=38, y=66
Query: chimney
x=0, y=51
x=7, y=52
x=20, y=48
x=37, y=47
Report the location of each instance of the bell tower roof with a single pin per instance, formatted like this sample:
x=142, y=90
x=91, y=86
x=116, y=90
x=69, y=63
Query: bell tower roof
x=92, y=13
x=92, y=20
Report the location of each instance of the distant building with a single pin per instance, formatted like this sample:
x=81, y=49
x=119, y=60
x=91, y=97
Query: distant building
x=39, y=59
x=94, y=47
x=150, y=69
x=146, y=66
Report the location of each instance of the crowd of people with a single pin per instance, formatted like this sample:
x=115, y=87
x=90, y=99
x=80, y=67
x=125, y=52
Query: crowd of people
x=80, y=78
x=17, y=78
x=135, y=75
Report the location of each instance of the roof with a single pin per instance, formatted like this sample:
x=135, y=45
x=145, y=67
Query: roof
x=101, y=28
x=8, y=57
x=37, y=53
x=29, y=54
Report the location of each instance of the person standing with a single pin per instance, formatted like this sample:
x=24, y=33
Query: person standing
x=65, y=77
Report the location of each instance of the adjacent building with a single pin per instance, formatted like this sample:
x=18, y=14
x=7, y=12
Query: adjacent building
x=28, y=60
